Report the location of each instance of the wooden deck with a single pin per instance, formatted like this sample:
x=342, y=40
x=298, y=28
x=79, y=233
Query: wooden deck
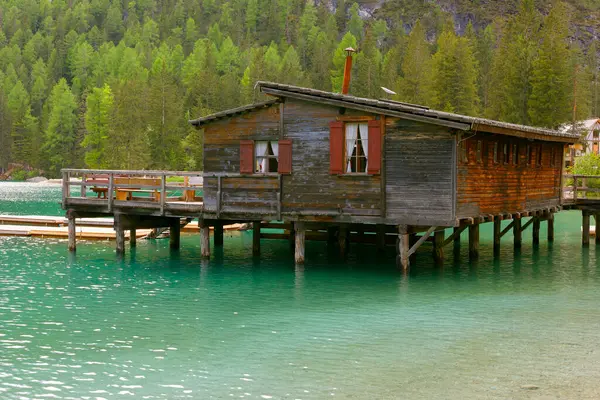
x=132, y=192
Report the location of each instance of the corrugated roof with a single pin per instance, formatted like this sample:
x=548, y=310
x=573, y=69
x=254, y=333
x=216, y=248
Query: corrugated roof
x=432, y=116
x=233, y=111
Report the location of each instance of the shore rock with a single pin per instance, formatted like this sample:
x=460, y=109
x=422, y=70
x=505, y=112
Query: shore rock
x=37, y=179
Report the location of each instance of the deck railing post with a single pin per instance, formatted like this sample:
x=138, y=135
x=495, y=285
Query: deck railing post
x=575, y=188
x=110, y=191
x=163, y=193
x=584, y=183
x=83, y=186
x=65, y=188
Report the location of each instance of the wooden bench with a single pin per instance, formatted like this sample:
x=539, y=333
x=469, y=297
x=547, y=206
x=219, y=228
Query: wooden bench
x=95, y=179
x=190, y=194
x=128, y=193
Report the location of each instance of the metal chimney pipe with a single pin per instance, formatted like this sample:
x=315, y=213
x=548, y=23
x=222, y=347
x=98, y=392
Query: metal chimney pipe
x=347, y=69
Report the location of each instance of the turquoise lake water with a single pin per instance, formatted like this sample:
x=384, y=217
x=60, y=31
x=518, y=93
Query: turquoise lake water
x=162, y=325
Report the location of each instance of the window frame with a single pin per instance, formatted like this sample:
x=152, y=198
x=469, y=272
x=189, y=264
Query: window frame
x=267, y=157
x=495, y=155
x=365, y=150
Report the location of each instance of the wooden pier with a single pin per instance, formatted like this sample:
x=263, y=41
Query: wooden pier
x=313, y=165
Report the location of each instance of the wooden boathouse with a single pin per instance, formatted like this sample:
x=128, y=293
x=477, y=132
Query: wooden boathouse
x=337, y=167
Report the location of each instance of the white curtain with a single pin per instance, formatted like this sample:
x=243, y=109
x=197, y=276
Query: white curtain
x=364, y=138
x=351, y=132
x=260, y=149
x=275, y=147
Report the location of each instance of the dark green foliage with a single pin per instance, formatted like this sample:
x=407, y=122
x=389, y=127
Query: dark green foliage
x=112, y=84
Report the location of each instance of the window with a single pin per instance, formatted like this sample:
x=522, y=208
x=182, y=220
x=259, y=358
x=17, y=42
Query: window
x=529, y=155
x=266, y=157
x=478, y=152
x=553, y=157
x=539, y=156
x=495, y=152
x=515, y=154
x=356, y=146
x=506, y=153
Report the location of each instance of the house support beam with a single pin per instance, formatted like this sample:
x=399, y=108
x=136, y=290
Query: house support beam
x=343, y=240
x=218, y=234
x=550, y=227
x=402, y=260
x=517, y=233
x=132, y=237
x=585, y=235
x=438, y=247
x=300, y=242
x=497, y=235
x=380, y=239
x=474, y=241
x=204, y=239
x=120, y=237
x=175, y=234
x=72, y=234
x=597, y=219
x=536, y=231
x=256, y=238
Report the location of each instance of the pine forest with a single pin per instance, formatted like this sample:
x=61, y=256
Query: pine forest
x=112, y=84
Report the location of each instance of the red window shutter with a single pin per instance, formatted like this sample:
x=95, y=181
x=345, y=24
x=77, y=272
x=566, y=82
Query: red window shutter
x=374, y=154
x=285, y=157
x=246, y=156
x=336, y=147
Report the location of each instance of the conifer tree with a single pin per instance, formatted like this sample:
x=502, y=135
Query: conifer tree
x=339, y=59
x=512, y=66
x=454, y=75
x=97, y=142
x=551, y=86
x=368, y=69
x=415, y=84
x=356, y=24
x=60, y=143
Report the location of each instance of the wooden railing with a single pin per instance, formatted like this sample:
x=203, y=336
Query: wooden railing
x=125, y=186
x=581, y=187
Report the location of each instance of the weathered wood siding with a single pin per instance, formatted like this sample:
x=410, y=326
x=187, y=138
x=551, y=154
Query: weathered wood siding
x=310, y=187
x=419, y=167
x=222, y=155
x=486, y=186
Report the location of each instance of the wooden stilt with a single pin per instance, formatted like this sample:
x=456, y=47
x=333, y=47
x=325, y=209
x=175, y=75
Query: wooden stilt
x=204, y=239
x=380, y=237
x=300, y=243
x=402, y=259
x=518, y=233
x=343, y=240
x=132, y=237
x=72, y=234
x=331, y=235
x=597, y=219
x=474, y=241
x=497, y=235
x=550, y=226
x=256, y=238
x=456, y=239
x=438, y=247
x=218, y=234
x=120, y=238
x=413, y=238
x=585, y=236
x=174, y=234
x=536, y=231
x=292, y=237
